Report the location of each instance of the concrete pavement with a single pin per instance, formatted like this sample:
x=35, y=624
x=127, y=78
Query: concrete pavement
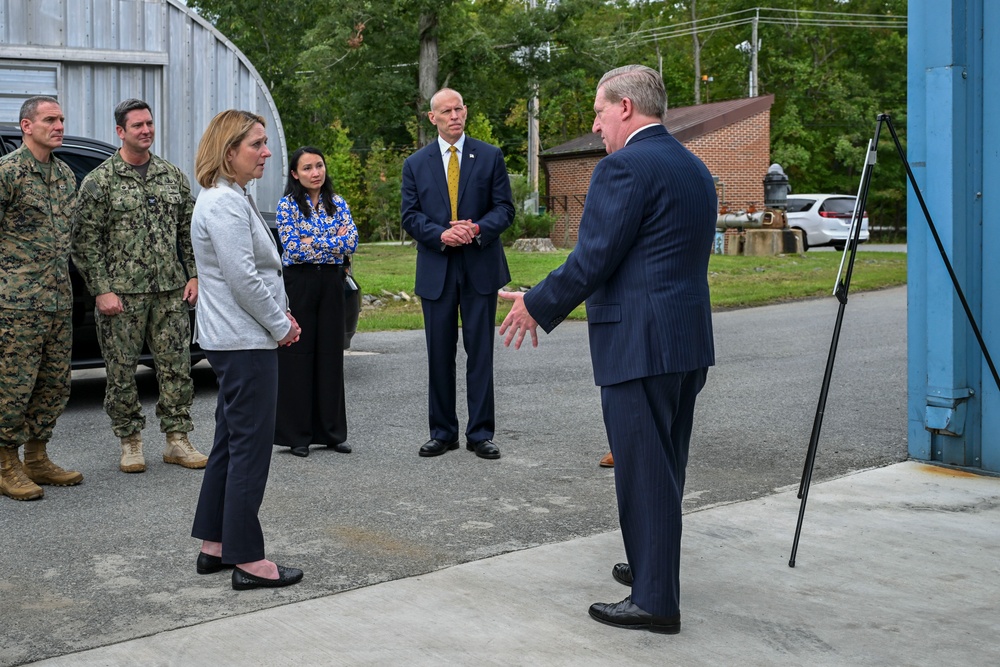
x=896, y=566
x=460, y=561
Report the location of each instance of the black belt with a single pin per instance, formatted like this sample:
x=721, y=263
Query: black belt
x=314, y=267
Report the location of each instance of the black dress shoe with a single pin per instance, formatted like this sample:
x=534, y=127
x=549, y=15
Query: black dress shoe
x=244, y=581
x=484, y=449
x=341, y=447
x=302, y=451
x=437, y=447
x=622, y=573
x=209, y=564
x=626, y=615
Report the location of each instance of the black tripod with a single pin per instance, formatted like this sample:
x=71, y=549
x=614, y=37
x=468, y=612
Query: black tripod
x=844, y=286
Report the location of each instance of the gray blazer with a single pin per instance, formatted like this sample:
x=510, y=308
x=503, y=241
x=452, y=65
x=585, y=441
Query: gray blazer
x=241, y=296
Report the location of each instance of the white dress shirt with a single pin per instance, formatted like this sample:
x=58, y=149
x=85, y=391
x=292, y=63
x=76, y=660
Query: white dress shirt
x=446, y=154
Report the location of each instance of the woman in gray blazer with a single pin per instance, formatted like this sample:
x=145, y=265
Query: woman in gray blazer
x=241, y=319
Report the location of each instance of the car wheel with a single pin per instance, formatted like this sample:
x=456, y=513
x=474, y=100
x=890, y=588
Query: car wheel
x=839, y=247
x=805, y=239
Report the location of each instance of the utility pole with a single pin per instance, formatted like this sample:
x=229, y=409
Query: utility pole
x=696, y=52
x=532, y=203
x=753, y=55
x=533, y=150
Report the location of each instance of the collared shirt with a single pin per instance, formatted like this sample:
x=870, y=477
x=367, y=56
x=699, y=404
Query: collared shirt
x=132, y=234
x=640, y=130
x=327, y=246
x=36, y=200
x=446, y=154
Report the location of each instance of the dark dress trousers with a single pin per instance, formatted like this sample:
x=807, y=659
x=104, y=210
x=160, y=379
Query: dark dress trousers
x=641, y=263
x=463, y=279
x=312, y=408
x=233, y=486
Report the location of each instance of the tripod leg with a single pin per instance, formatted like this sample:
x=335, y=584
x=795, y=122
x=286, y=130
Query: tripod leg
x=842, y=290
x=817, y=426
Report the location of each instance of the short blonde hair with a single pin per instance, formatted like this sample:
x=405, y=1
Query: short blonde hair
x=223, y=133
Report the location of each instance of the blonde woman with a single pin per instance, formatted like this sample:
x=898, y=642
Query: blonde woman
x=242, y=318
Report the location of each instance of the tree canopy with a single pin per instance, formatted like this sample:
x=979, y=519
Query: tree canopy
x=347, y=76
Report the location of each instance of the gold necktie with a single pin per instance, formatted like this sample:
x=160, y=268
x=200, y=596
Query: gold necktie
x=453, y=181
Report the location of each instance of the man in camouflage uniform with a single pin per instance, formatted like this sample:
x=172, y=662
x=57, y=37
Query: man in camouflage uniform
x=36, y=325
x=132, y=245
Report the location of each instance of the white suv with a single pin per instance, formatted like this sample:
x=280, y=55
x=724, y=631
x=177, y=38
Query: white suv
x=824, y=219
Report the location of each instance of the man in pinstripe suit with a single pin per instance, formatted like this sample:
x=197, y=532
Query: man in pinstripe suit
x=641, y=264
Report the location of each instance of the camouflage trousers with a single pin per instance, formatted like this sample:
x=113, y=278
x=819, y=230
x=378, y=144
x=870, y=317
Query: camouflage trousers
x=35, y=349
x=161, y=320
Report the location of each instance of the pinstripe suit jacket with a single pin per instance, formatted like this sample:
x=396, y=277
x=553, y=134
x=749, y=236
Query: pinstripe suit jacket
x=641, y=263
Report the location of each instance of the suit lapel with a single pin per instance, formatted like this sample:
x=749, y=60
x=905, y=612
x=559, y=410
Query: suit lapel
x=468, y=164
x=436, y=169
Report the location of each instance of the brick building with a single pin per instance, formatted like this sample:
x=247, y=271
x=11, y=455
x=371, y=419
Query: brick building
x=732, y=138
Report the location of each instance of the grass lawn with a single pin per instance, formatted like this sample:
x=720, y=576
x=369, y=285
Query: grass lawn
x=736, y=282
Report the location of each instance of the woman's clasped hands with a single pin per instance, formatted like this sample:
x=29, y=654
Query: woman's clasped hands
x=293, y=334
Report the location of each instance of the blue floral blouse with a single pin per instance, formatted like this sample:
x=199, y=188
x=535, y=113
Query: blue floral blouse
x=327, y=246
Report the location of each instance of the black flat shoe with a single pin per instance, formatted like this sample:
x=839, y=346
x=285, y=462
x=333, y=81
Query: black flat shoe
x=208, y=564
x=622, y=573
x=342, y=447
x=437, y=447
x=626, y=615
x=244, y=581
x=301, y=451
x=484, y=449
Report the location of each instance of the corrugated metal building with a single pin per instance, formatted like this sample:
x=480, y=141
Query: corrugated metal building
x=91, y=54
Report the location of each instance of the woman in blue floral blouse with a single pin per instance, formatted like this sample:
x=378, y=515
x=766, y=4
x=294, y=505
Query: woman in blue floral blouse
x=317, y=233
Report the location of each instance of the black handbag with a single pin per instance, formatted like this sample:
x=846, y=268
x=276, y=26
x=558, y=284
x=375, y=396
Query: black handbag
x=350, y=284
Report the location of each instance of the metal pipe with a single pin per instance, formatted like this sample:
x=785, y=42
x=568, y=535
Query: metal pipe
x=740, y=219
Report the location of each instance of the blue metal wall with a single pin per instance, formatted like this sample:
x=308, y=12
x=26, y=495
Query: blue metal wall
x=953, y=137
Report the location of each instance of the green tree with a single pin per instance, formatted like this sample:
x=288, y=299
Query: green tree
x=334, y=65
x=383, y=178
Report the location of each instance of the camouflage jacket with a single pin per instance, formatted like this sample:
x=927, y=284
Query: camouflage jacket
x=36, y=202
x=131, y=235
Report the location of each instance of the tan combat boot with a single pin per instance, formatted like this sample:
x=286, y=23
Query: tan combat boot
x=132, y=460
x=13, y=482
x=41, y=470
x=180, y=451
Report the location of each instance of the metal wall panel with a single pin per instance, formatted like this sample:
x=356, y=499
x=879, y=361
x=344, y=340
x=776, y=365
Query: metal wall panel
x=157, y=50
x=952, y=131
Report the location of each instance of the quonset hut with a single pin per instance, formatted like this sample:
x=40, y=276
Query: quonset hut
x=91, y=54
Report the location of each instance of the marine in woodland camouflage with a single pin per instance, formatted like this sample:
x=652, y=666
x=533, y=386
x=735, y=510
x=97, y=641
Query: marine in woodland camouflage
x=35, y=295
x=35, y=206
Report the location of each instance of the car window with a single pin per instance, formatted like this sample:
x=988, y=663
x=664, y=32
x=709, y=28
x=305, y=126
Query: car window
x=80, y=164
x=799, y=205
x=839, y=205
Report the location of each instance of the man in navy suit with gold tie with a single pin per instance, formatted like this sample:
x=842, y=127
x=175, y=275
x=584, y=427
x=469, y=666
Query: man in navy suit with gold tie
x=456, y=203
x=641, y=263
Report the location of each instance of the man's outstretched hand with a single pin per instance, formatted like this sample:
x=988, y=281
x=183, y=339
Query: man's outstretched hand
x=518, y=321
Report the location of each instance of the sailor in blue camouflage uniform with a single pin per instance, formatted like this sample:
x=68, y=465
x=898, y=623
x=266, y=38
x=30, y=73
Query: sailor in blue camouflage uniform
x=132, y=245
x=36, y=197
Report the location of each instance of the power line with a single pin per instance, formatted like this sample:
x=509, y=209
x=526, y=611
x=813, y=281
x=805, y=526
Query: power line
x=765, y=15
